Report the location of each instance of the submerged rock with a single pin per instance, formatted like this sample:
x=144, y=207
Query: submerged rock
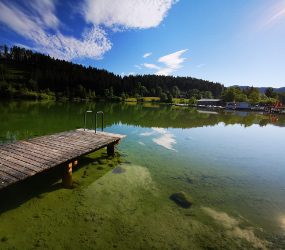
x=118, y=170
x=182, y=199
x=5, y=238
x=190, y=180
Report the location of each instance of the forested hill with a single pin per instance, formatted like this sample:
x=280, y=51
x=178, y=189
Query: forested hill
x=262, y=90
x=24, y=69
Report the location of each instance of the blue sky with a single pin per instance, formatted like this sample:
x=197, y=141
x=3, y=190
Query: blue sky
x=234, y=42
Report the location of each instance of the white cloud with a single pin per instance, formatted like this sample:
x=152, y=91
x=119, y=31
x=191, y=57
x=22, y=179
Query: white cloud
x=127, y=14
x=165, y=72
x=150, y=66
x=146, y=55
x=138, y=67
x=131, y=73
x=34, y=22
x=172, y=61
x=37, y=21
x=200, y=65
x=123, y=74
x=45, y=10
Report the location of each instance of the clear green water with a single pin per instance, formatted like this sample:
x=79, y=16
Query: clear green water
x=231, y=164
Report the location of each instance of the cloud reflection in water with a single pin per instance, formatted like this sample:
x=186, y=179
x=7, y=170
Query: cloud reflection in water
x=166, y=139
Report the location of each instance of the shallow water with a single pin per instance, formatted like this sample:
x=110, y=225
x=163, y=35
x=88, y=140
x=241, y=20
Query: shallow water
x=231, y=164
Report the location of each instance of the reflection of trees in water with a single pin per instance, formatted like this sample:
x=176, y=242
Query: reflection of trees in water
x=38, y=118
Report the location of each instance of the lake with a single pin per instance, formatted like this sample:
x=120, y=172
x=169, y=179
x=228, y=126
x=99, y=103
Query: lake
x=231, y=164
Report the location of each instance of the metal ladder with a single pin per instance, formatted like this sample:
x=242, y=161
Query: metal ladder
x=99, y=112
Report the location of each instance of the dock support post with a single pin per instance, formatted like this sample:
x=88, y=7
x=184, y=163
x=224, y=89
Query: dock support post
x=111, y=148
x=67, y=174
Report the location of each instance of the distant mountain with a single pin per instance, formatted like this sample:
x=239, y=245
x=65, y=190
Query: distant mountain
x=262, y=89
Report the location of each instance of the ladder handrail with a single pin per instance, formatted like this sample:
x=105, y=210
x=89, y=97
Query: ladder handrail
x=88, y=111
x=99, y=112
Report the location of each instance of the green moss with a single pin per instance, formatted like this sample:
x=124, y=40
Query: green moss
x=103, y=161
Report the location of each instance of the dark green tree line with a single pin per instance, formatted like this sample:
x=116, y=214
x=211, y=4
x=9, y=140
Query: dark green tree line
x=72, y=80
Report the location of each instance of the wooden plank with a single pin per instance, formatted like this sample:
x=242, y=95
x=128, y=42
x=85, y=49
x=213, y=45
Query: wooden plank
x=76, y=139
x=35, y=151
x=102, y=133
x=58, y=150
x=75, y=146
x=58, y=145
x=20, y=161
x=91, y=142
x=28, y=155
x=39, y=155
x=66, y=156
x=48, y=150
x=81, y=137
x=13, y=172
x=30, y=161
x=18, y=168
x=63, y=144
x=4, y=177
x=4, y=183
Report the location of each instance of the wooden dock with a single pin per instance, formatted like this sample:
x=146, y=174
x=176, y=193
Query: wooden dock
x=22, y=159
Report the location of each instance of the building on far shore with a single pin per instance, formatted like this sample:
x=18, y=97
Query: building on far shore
x=238, y=105
x=209, y=102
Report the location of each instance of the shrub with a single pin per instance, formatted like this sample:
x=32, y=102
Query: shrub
x=29, y=95
x=43, y=96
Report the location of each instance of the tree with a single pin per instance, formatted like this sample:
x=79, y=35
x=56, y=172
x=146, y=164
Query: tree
x=254, y=97
x=193, y=100
x=195, y=93
x=159, y=91
x=107, y=93
x=5, y=51
x=33, y=85
x=282, y=97
x=233, y=94
x=80, y=92
x=263, y=97
x=270, y=93
x=93, y=94
x=142, y=90
x=169, y=97
x=163, y=97
x=137, y=96
x=111, y=92
x=123, y=96
x=229, y=95
x=207, y=94
x=175, y=91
